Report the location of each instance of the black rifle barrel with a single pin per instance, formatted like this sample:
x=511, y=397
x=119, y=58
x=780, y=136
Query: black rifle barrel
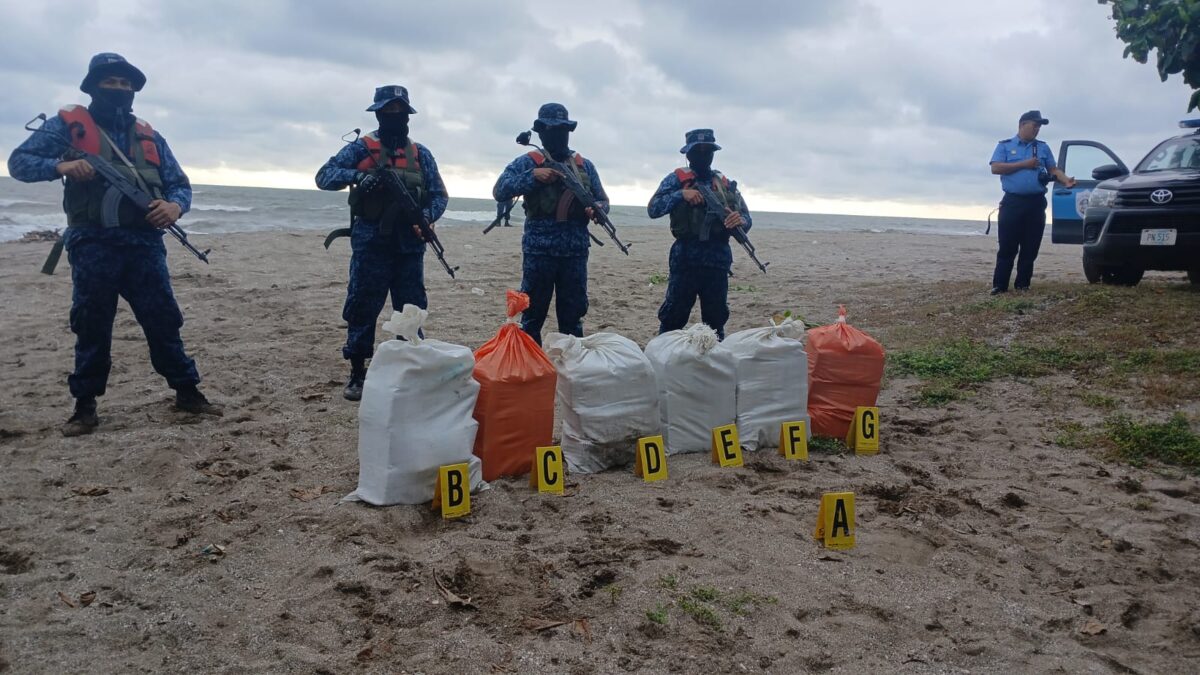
x=717, y=209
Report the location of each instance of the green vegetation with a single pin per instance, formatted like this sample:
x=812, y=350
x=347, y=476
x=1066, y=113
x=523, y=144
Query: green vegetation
x=657, y=279
x=738, y=603
x=1099, y=401
x=1170, y=442
x=1075, y=436
x=657, y=615
x=706, y=593
x=701, y=613
x=826, y=444
x=668, y=581
x=1168, y=27
x=953, y=368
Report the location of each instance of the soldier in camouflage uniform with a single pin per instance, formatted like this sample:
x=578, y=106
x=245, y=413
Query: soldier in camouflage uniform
x=555, y=243
x=387, y=257
x=128, y=261
x=700, y=258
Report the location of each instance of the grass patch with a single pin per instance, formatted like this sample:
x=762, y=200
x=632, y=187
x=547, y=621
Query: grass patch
x=739, y=604
x=657, y=615
x=668, y=581
x=826, y=444
x=1075, y=436
x=706, y=594
x=1170, y=442
x=614, y=593
x=1006, y=305
x=745, y=289
x=1098, y=401
x=657, y=279
x=953, y=368
x=701, y=613
x=936, y=394
x=1160, y=361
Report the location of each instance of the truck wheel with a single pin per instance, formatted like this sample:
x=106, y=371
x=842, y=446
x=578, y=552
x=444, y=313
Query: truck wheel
x=1121, y=276
x=1092, y=269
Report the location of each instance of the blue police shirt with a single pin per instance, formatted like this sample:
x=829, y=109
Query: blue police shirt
x=1023, y=181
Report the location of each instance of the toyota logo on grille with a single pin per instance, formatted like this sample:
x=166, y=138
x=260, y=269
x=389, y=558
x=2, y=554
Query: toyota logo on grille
x=1161, y=196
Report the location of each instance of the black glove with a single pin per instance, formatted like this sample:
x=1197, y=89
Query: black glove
x=367, y=182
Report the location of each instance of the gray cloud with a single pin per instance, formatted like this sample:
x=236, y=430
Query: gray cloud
x=851, y=100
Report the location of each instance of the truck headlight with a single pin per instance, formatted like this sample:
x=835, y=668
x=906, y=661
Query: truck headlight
x=1102, y=198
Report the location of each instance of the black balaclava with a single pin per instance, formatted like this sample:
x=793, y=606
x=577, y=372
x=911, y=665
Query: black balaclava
x=112, y=107
x=700, y=158
x=554, y=140
x=393, y=128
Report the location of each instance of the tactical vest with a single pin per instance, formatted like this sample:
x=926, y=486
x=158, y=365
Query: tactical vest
x=82, y=200
x=404, y=162
x=693, y=222
x=553, y=201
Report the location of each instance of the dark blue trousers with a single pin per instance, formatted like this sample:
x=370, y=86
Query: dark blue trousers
x=687, y=282
x=102, y=271
x=565, y=277
x=378, y=266
x=1021, y=226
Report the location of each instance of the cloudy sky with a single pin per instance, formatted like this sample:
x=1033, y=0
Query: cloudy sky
x=856, y=106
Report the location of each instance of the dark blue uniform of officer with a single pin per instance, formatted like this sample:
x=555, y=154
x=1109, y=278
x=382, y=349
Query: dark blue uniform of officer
x=1025, y=165
x=555, y=243
x=700, y=258
x=128, y=260
x=387, y=256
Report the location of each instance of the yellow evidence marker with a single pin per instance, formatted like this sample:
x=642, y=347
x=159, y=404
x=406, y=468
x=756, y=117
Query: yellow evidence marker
x=726, y=450
x=651, y=462
x=453, y=492
x=835, y=521
x=793, y=440
x=548, y=474
x=863, y=437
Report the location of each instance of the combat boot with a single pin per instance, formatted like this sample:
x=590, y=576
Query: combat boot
x=190, y=400
x=358, y=374
x=83, y=420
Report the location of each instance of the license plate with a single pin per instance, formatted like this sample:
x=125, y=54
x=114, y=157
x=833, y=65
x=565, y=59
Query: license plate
x=1158, y=237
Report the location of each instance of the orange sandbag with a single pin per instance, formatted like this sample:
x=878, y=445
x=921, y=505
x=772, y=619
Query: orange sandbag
x=845, y=370
x=515, y=409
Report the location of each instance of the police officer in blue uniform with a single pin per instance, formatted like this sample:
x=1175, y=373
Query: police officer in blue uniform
x=700, y=258
x=386, y=257
x=555, y=243
x=128, y=261
x=1025, y=165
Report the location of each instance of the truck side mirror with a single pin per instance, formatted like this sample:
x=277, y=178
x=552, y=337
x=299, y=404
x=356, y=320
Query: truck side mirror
x=1106, y=172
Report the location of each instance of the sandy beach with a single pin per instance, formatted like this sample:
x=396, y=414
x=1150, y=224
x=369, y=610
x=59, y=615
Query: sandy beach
x=983, y=545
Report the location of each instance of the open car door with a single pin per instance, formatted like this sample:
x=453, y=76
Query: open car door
x=1078, y=159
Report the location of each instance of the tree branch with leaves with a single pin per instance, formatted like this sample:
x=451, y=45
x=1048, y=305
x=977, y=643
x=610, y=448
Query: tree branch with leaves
x=1170, y=27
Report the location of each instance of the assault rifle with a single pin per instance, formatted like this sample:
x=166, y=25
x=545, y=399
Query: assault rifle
x=581, y=193
x=119, y=188
x=718, y=210
x=505, y=211
x=403, y=203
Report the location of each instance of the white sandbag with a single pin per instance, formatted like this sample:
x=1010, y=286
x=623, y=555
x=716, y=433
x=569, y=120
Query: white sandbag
x=697, y=386
x=416, y=414
x=606, y=397
x=772, y=381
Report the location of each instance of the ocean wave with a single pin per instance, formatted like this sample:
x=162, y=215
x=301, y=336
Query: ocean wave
x=472, y=216
x=222, y=207
x=6, y=203
x=11, y=230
